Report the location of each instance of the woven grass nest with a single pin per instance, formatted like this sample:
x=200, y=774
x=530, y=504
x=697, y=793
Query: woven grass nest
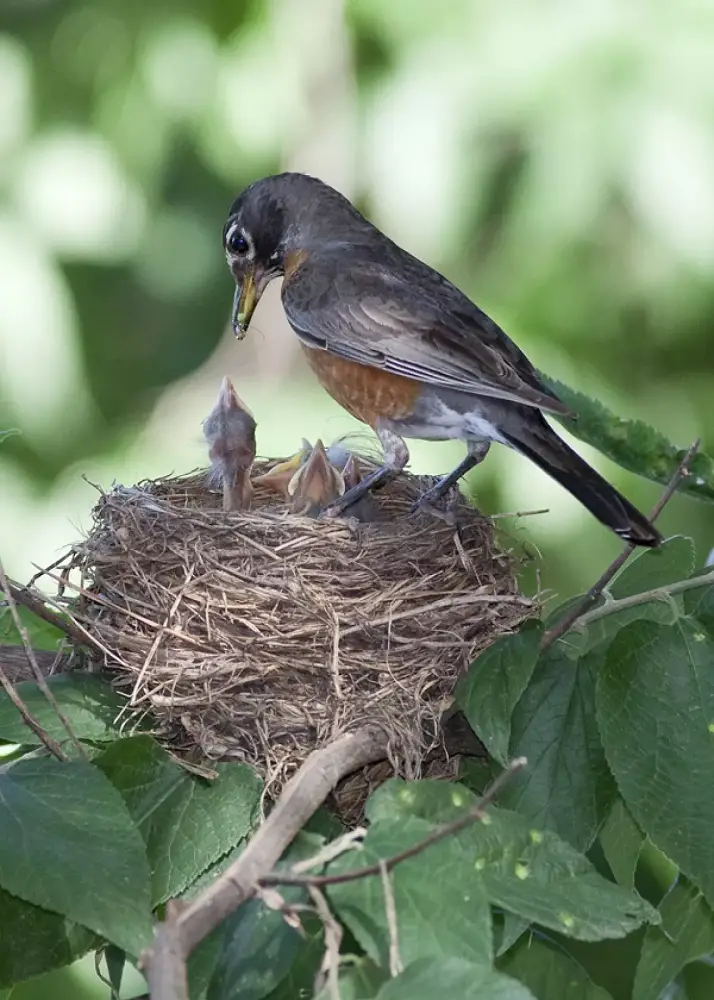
x=263, y=635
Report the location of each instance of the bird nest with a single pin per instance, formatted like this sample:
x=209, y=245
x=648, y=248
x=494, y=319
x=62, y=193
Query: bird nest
x=263, y=635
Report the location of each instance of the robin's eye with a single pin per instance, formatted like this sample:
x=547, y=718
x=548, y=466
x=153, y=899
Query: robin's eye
x=238, y=244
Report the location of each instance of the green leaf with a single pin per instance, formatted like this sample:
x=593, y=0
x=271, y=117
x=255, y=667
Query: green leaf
x=90, y=705
x=655, y=698
x=633, y=444
x=672, y=561
x=699, y=604
x=35, y=941
x=41, y=634
x=115, y=959
x=429, y=978
x=621, y=840
x=259, y=948
x=360, y=980
x=527, y=871
x=549, y=972
x=441, y=903
x=488, y=693
x=202, y=963
x=187, y=823
x=70, y=846
x=511, y=929
x=300, y=980
x=685, y=934
x=567, y=786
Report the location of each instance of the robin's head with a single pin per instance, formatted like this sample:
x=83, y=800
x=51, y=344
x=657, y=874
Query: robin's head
x=273, y=225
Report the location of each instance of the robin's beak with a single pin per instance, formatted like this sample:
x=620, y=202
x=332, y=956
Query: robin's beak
x=246, y=298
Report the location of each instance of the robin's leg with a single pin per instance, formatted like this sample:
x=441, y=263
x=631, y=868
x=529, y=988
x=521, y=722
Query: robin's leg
x=476, y=454
x=396, y=456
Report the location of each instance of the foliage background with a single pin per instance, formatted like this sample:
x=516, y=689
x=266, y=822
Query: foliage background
x=553, y=158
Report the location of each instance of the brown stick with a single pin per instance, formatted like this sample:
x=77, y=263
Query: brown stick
x=474, y=815
x=39, y=677
x=569, y=619
x=31, y=600
x=300, y=798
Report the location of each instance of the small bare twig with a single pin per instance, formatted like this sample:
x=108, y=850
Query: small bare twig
x=474, y=815
x=390, y=909
x=658, y=594
x=330, y=968
x=579, y=610
x=33, y=602
x=29, y=720
x=347, y=842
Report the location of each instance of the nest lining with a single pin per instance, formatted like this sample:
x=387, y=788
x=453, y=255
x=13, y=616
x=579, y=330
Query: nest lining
x=263, y=635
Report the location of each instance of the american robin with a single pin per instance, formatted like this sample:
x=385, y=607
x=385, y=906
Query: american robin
x=229, y=430
x=398, y=345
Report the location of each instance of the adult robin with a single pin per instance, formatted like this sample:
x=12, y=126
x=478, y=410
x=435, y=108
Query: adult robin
x=399, y=346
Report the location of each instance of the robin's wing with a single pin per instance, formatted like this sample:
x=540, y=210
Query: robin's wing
x=417, y=325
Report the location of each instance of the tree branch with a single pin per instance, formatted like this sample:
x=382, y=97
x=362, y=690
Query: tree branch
x=34, y=602
x=301, y=797
x=474, y=815
x=579, y=610
x=658, y=594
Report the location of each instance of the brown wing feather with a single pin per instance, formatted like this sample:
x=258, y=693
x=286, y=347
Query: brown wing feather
x=413, y=323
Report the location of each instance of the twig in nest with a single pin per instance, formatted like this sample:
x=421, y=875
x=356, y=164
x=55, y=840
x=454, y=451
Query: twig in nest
x=474, y=815
x=164, y=963
x=330, y=968
x=569, y=619
x=390, y=909
x=29, y=720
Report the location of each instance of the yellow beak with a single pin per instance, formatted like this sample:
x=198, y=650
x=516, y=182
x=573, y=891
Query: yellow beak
x=245, y=299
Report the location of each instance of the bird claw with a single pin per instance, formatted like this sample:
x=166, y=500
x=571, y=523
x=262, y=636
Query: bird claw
x=445, y=511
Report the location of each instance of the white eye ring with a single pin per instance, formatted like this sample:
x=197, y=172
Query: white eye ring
x=239, y=245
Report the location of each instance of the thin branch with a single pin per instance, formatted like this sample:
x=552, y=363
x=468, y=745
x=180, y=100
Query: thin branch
x=333, y=939
x=33, y=601
x=474, y=815
x=301, y=797
x=390, y=909
x=580, y=609
x=37, y=673
x=29, y=720
x=658, y=594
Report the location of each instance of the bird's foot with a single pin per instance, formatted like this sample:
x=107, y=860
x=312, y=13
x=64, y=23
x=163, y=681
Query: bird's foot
x=439, y=503
x=373, y=481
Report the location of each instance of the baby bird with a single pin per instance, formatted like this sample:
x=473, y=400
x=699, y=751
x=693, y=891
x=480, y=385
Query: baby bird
x=315, y=484
x=229, y=430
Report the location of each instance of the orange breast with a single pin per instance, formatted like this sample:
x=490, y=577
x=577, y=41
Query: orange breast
x=367, y=393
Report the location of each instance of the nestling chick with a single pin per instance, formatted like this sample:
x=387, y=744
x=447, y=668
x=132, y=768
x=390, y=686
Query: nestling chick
x=315, y=484
x=229, y=430
x=280, y=475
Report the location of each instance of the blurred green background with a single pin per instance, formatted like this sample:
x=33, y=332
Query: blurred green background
x=555, y=158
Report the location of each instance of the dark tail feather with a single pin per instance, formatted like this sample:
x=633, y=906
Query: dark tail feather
x=537, y=441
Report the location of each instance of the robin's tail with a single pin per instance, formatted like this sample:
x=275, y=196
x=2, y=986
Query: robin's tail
x=534, y=438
